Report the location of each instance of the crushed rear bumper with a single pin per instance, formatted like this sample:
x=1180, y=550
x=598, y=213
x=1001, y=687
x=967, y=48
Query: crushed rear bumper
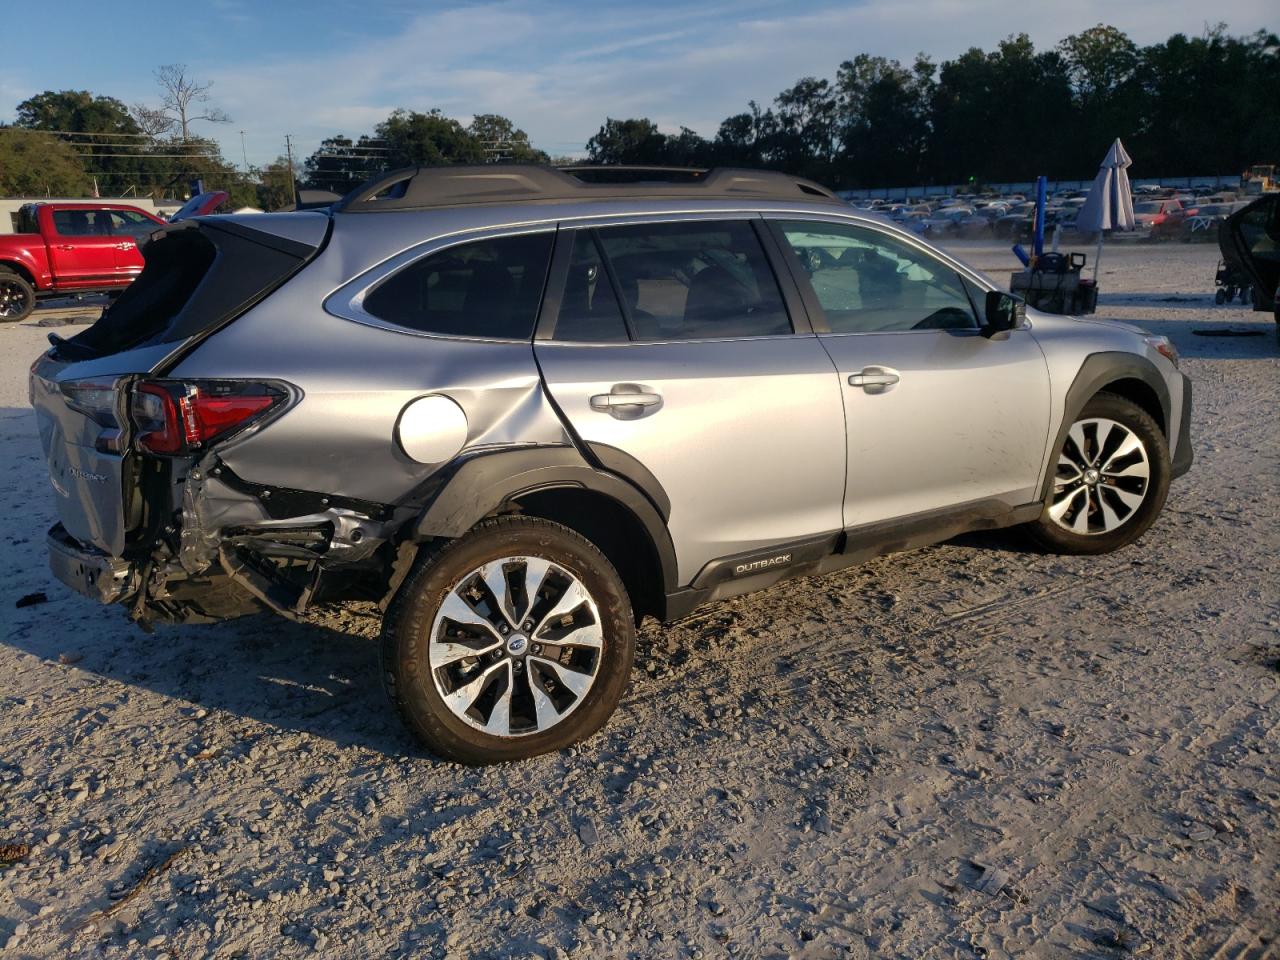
x=88, y=570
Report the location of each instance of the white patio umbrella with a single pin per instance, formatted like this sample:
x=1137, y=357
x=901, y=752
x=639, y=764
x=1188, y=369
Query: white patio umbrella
x=1109, y=205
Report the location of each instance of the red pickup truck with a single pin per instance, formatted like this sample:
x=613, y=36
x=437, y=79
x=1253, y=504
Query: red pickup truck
x=64, y=248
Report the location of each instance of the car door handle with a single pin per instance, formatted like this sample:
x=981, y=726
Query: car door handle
x=874, y=377
x=626, y=401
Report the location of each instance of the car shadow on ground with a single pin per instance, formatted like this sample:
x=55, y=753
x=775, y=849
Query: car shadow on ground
x=303, y=677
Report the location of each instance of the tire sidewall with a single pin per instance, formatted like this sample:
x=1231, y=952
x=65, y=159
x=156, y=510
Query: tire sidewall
x=407, y=637
x=1113, y=407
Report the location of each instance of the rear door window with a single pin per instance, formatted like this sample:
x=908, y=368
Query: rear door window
x=487, y=288
x=694, y=280
x=589, y=309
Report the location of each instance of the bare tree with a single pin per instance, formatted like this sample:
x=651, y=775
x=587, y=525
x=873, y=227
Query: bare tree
x=153, y=121
x=184, y=101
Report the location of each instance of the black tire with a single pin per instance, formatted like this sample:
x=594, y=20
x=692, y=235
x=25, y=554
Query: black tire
x=17, y=296
x=406, y=638
x=1053, y=537
x=1220, y=297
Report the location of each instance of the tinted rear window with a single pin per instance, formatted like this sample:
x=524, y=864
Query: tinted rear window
x=487, y=288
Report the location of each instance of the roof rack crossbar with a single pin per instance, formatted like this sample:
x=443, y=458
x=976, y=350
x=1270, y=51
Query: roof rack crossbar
x=416, y=188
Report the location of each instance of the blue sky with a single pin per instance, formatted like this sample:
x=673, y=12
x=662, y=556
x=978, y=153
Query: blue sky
x=556, y=68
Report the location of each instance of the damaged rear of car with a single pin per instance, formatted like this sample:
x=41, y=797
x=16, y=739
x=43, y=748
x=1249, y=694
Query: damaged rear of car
x=125, y=441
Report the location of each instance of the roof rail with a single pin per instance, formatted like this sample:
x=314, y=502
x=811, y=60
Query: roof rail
x=417, y=188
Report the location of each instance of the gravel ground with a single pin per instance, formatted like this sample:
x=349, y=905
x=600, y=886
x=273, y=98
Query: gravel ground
x=974, y=750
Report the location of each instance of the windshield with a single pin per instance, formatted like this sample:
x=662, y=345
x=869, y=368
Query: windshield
x=1148, y=207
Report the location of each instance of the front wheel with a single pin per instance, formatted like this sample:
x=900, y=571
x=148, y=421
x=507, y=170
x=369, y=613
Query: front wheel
x=1111, y=480
x=514, y=640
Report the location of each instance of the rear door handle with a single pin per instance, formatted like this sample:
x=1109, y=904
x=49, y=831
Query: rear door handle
x=881, y=377
x=626, y=401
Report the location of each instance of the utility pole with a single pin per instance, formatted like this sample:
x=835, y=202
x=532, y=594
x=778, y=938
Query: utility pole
x=293, y=183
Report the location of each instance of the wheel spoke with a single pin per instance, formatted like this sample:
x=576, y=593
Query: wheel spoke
x=1128, y=498
x=1065, y=461
x=1128, y=446
x=495, y=578
x=459, y=611
x=1138, y=470
x=1109, y=518
x=1080, y=522
x=546, y=712
x=1101, y=434
x=462, y=699
x=576, y=680
x=1076, y=435
x=535, y=574
x=499, y=722
x=1059, y=509
x=445, y=652
x=587, y=635
x=574, y=596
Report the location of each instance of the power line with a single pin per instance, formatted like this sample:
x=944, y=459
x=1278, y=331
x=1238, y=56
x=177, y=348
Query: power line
x=88, y=133
x=149, y=156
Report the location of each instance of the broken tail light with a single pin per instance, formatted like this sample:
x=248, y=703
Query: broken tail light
x=96, y=398
x=177, y=417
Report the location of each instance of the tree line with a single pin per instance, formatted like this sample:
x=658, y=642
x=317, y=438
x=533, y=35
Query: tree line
x=1186, y=106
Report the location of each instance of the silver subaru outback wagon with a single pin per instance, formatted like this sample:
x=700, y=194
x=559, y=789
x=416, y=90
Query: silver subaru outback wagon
x=522, y=408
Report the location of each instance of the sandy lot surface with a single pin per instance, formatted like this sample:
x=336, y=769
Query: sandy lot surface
x=975, y=750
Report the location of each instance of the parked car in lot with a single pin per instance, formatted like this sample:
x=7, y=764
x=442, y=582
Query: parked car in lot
x=1015, y=223
x=64, y=248
x=1160, y=219
x=1250, y=243
x=522, y=410
x=947, y=221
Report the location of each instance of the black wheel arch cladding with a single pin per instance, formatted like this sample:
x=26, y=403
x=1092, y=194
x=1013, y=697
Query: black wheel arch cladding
x=1103, y=371
x=485, y=482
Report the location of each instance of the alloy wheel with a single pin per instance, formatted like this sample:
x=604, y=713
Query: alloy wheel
x=15, y=301
x=1102, y=479
x=516, y=646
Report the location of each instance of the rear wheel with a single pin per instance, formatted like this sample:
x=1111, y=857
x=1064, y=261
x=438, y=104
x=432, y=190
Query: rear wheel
x=1111, y=481
x=17, y=296
x=512, y=641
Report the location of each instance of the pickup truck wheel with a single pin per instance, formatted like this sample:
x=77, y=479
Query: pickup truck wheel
x=514, y=640
x=1111, y=482
x=17, y=296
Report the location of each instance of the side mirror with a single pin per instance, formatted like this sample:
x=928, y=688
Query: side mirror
x=1004, y=312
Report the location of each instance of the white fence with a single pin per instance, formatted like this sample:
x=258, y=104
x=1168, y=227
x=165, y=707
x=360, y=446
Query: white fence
x=1028, y=187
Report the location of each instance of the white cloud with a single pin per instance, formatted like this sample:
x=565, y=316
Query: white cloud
x=559, y=73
